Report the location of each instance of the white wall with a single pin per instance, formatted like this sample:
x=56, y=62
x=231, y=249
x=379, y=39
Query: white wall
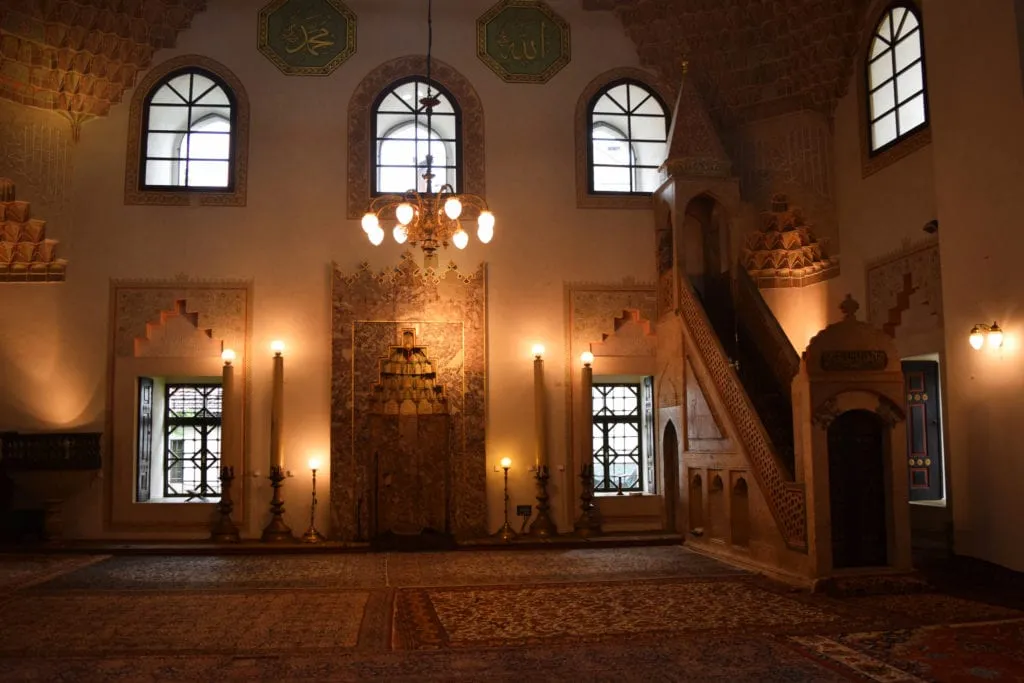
x=54, y=338
x=978, y=148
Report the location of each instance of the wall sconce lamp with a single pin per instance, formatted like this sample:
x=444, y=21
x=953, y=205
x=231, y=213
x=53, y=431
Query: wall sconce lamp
x=228, y=356
x=277, y=347
x=587, y=358
x=538, y=351
x=992, y=332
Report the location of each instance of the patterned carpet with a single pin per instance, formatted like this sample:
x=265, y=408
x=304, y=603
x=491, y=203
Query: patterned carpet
x=644, y=614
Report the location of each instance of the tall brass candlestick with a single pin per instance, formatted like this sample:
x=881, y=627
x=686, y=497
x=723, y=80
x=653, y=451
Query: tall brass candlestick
x=539, y=407
x=586, y=408
x=277, y=406
x=542, y=525
x=228, y=424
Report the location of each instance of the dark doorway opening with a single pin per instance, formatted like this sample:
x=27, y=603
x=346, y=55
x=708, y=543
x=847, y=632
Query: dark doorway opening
x=856, y=472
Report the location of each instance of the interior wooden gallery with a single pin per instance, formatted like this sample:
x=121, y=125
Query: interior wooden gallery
x=739, y=278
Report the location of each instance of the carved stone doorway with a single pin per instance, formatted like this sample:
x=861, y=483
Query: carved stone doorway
x=856, y=472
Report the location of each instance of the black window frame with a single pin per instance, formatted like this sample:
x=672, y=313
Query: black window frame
x=604, y=484
x=419, y=117
x=148, y=103
x=652, y=94
x=208, y=473
x=886, y=15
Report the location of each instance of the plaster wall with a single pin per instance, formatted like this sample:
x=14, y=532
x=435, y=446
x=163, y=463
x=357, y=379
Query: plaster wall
x=877, y=213
x=54, y=340
x=978, y=152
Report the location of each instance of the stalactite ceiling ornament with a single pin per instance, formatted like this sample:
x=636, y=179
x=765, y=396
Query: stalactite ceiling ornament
x=751, y=58
x=77, y=57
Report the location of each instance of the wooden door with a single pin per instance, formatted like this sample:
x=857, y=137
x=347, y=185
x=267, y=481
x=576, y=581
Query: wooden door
x=924, y=427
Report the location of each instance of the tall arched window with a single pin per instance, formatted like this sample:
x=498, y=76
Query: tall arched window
x=188, y=144
x=403, y=142
x=897, y=101
x=627, y=127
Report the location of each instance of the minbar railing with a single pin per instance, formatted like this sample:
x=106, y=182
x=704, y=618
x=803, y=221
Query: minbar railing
x=786, y=498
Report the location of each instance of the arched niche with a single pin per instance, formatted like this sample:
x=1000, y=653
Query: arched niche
x=718, y=522
x=739, y=517
x=697, y=505
x=670, y=458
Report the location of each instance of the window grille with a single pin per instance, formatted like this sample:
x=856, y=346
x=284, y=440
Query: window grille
x=192, y=429
x=618, y=438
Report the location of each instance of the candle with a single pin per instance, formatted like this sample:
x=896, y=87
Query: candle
x=277, y=406
x=586, y=409
x=539, y=408
x=228, y=424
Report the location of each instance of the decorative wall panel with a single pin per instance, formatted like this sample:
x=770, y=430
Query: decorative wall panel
x=36, y=152
x=222, y=306
x=905, y=289
x=447, y=310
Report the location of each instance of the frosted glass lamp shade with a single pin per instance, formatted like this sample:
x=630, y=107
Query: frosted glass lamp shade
x=404, y=213
x=370, y=222
x=400, y=233
x=453, y=208
x=460, y=239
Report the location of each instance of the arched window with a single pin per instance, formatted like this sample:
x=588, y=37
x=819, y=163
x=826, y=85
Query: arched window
x=897, y=102
x=189, y=119
x=627, y=128
x=404, y=141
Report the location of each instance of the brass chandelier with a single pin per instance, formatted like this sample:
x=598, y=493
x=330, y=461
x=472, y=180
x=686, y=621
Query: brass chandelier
x=427, y=219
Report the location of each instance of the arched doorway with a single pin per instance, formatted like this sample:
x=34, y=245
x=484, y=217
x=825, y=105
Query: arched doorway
x=670, y=456
x=856, y=479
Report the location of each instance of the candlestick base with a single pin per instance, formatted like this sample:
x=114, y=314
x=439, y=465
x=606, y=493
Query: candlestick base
x=506, y=533
x=223, y=529
x=312, y=536
x=543, y=526
x=589, y=522
x=277, y=531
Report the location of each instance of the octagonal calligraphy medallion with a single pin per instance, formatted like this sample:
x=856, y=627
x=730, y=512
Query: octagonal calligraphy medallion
x=523, y=41
x=307, y=37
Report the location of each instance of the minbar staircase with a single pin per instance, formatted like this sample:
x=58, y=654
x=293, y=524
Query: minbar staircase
x=745, y=349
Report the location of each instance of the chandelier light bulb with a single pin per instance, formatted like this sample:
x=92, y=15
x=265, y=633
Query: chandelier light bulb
x=460, y=239
x=376, y=236
x=486, y=220
x=995, y=336
x=484, y=234
x=370, y=222
x=977, y=339
x=404, y=213
x=453, y=208
x=400, y=233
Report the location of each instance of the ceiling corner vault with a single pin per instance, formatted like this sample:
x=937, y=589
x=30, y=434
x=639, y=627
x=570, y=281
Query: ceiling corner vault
x=77, y=57
x=750, y=59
